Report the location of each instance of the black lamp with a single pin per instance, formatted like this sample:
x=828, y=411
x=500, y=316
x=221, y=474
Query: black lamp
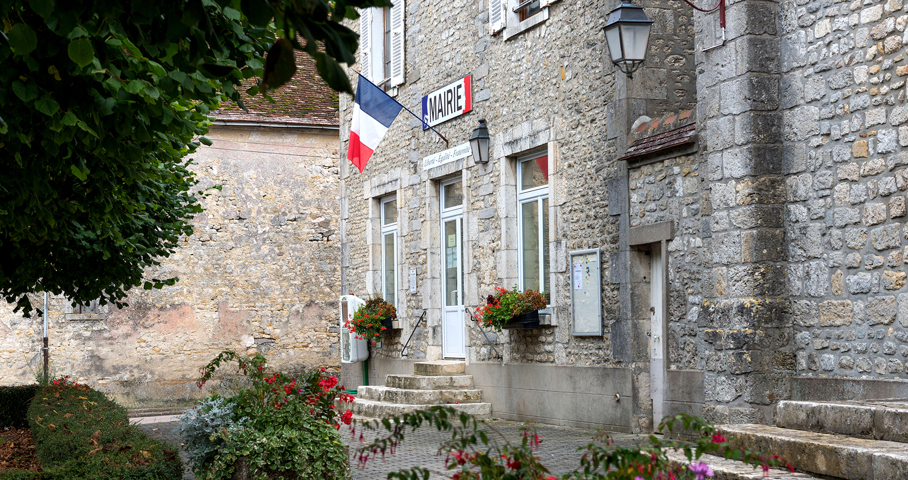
x=479, y=142
x=627, y=35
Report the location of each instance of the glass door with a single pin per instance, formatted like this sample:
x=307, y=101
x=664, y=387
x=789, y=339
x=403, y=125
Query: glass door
x=453, y=338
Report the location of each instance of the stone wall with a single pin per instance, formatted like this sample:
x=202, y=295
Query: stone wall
x=843, y=101
x=260, y=273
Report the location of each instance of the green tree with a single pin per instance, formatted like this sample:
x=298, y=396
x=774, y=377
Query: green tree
x=100, y=103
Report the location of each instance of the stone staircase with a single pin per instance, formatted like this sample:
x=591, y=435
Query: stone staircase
x=853, y=441
x=434, y=383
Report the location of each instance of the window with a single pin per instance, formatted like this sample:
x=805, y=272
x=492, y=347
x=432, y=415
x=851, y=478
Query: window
x=533, y=223
x=382, y=45
x=517, y=16
x=527, y=8
x=389, y=249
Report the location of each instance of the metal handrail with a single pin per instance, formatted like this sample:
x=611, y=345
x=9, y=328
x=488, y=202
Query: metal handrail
x=482, y=331
x=421, y=317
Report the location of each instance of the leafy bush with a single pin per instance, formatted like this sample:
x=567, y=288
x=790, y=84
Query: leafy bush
x=80, y=434
x=284, y=425
x=14, y=403
x=478, y=451
x=200, y=427
x=504, y=305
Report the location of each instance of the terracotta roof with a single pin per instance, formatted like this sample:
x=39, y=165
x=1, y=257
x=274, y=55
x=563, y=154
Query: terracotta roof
x=662, y=134
x=305, y=100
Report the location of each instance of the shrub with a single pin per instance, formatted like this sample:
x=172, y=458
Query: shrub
x=285, y=425
x=80, y=434
x=200, y=427
x=478, y=451
x=14, y=403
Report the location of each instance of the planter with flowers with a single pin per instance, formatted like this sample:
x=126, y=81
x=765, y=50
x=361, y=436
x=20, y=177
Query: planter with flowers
x=512, y=309
x=371, y=319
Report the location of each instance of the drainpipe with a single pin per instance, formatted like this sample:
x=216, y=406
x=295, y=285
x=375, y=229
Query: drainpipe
x=46, y=379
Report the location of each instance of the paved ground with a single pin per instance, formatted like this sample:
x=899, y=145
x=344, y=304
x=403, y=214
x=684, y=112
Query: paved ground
x=558, y=450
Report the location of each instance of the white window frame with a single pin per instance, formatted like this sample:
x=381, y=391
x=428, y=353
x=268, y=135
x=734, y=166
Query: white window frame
x=388, y=229
x=535, y=194
x=373, y=22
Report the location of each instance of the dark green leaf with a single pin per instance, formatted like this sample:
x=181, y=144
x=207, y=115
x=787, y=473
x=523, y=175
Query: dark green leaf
x=205, y=140
x=25, y=92
x=259, y=12
x=81, y=52
x=47, y=105
x=22, y=39
x=70, y=119
x=79, y=173
x=42, y=7
x=280, y=65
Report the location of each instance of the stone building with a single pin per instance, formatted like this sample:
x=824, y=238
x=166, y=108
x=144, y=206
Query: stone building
x=744, y=193
x=260, y=273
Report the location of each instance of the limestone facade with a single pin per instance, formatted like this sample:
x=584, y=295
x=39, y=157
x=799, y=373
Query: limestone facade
x=259, y=274
x=782, y=220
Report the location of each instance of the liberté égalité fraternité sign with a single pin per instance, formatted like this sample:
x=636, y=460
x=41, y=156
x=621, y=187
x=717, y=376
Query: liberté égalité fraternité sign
x=447, y=102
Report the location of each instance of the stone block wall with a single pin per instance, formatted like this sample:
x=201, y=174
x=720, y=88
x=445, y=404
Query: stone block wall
x=843, y=101
x=260, y=274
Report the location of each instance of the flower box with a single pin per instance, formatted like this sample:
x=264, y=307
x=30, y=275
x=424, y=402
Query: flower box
x=529, y=320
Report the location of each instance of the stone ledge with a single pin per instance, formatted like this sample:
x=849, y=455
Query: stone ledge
x=841, y=457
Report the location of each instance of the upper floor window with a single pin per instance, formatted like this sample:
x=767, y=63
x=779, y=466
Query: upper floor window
x=527, y=8
x=533, y=222
x=389, y=249
x=382, y=45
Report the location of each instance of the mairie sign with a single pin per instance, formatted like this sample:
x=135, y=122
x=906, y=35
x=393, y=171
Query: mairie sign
x=447, y=102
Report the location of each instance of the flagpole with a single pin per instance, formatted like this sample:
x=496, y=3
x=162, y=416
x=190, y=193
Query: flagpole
x=407, y=109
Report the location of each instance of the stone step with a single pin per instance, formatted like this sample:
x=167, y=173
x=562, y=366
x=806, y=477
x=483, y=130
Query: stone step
x=419, y=397
x=881, y=420
x=438, y=382
x=439, y=367
x=374, y=409
x=724, y=469
x=819, y=453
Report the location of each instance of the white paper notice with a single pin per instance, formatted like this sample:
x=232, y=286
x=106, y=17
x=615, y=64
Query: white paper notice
x=578, y=276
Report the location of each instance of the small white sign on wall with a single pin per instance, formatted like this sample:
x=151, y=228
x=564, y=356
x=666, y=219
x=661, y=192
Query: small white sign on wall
x=447, y=156
x=412, y=280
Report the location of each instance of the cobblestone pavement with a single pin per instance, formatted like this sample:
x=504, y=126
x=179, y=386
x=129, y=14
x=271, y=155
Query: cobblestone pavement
x=558, y=450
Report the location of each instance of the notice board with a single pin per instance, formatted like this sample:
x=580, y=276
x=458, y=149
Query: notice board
x=586, y=293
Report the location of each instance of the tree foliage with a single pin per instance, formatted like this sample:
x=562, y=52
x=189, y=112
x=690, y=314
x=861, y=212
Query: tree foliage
x=100, y=103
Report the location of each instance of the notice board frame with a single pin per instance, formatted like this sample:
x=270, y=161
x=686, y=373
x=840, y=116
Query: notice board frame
x=591, y=287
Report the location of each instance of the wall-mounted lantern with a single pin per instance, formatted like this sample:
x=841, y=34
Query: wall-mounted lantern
x=627, y=35
x=479, y=143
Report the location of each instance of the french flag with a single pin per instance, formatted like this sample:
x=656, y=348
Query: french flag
x=373, y=114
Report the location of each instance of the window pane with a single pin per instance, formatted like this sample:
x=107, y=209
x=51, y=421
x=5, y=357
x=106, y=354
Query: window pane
x=545, y=245
x=534, y=173
x=453, y=195
x=387, y=50
x=390, y=212
x=390, y=268
x=452, y=263
x=529, y=251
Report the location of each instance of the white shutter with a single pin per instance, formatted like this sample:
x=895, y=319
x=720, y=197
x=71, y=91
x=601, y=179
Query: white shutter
x=497, y=15
x=398, y=30
x=365, y=42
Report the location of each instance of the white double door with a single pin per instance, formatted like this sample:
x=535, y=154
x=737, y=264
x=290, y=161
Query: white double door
x=452, y=317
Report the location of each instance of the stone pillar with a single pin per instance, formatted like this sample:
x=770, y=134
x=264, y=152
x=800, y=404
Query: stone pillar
x=745, y=329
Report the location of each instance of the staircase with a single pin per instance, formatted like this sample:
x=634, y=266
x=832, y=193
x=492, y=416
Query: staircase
x=434, y=383
x=847, y=440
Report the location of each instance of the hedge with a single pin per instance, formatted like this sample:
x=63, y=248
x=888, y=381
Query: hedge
x=14, y=405
x=80, y=434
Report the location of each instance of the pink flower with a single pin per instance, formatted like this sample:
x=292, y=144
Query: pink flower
x=701, y=470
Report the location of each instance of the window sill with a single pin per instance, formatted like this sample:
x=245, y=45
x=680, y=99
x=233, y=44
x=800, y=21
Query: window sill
x=510, y=32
